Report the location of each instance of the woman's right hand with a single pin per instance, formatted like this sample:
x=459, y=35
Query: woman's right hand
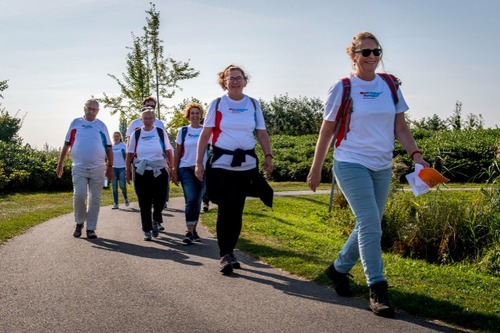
x=313, y=180
x=199, y=171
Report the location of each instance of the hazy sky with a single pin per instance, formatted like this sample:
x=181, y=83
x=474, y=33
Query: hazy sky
x=57, y=53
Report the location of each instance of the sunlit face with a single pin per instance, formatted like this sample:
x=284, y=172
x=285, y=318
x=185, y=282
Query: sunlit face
x=235, y=81
x=91, y=110
x=148, y=119
x=366, y=64
x=194, y=115
x=116, y=138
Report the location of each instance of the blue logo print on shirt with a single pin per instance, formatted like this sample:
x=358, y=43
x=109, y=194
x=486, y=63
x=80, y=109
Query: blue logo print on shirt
x=193, y=135
x=87, y=126
x=147, y=138
x=370, y=94
x=238, y=110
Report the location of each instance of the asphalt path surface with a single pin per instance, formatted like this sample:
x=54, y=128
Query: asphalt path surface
x=52, y=282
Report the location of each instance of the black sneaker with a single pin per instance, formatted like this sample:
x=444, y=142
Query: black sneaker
x=234, y=262
x=189, y=238
x=78, y=230
x=205, y=206
x=340, y=280
x=155, y=230
x=196, y=237
x=91, y=234
x=379, y=300
x=225, y=264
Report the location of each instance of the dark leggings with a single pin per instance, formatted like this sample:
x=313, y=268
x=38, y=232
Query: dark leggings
x=151, y=192
x=231, y=190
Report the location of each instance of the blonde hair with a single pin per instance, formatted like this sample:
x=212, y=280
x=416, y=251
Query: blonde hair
x=355, y=45
x=193, y=105
x=227, y=71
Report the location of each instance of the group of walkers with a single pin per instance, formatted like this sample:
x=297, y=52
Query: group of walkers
x=221, y=154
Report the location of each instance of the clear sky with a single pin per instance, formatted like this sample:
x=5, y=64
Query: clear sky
x=57, y=53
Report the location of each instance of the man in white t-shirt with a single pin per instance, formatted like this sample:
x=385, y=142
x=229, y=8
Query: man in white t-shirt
x=92, y=157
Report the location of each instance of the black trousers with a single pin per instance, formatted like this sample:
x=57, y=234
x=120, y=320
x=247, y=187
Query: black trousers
x=231, y=188
x=151, y=192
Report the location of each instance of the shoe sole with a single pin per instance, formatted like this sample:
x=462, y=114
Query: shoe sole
x=187, y=241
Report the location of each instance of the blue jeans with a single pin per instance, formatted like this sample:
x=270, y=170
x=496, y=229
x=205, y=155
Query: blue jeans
x=366, y=191
x=121, y=181
x=193, y=194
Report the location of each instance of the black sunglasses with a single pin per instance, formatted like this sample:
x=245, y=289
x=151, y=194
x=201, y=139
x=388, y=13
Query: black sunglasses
x=366, y=52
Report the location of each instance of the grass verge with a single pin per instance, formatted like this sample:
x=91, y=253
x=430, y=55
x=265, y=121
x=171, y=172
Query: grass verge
x=294, y=237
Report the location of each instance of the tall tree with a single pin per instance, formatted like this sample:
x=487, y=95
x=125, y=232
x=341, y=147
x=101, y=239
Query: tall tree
x=148, y=73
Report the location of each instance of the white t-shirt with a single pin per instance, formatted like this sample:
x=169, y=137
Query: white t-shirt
x=88, y=141
x=188, y=158
x=370, y=140
x=137, y=123
x=238, y=120
x=149, y=146
x=118, y=155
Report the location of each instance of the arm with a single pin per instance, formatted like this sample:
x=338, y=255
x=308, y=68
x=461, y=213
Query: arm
x=128, y=166
x=173, y=167
x=322, y=145
x=403, y=134
x=265, y=143
x=199, y=170
x=62, y=157
x=177, y=158
x=109, y=163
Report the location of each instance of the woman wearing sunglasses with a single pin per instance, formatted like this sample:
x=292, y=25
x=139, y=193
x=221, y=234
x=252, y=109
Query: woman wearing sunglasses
x=362, y=165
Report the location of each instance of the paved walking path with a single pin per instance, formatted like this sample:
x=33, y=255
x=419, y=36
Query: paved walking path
x=52, y=282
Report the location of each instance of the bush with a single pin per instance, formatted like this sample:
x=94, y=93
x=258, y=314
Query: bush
x=24, y=169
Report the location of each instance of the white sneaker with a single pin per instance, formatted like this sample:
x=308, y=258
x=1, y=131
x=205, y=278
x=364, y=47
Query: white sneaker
x=115, y=206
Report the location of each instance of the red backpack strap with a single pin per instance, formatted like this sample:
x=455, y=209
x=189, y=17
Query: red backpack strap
x=393, y=83
x=343, y=117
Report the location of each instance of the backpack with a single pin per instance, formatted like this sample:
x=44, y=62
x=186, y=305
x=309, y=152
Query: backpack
x=137, y=134
x=343, y=118
x=184, y=131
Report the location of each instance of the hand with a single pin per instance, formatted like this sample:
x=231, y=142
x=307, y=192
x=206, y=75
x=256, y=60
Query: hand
x=199, y=172
x=268, y=164
x=59, y=170
x=313, y=180
x=418, y=159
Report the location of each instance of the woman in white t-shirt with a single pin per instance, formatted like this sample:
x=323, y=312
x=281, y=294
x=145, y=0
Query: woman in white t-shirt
x=185, y=161
x=362, y=165
x=151, y=153
x=119, y=155
x=232, y=123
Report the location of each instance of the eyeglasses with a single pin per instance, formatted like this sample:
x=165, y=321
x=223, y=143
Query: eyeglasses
x=237, y=79
x=367, y=52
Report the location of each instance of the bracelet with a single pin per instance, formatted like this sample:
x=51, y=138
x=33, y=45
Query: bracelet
x=415, y=152
x=269, y=155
